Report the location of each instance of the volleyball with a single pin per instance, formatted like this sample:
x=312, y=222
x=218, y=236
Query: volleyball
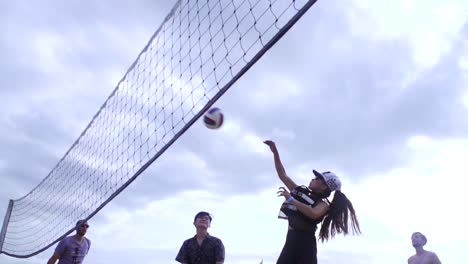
x=213, y=118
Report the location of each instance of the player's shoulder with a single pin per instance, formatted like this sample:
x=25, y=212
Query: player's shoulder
x=217, y=239
x=190, y=239
x=68, y=238
x=410, y=259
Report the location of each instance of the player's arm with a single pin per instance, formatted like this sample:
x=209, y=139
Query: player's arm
x=182, y=255
x=220, y=253
x=54, y=258
x=59, y=250
x=290, y=184
x=315, y=212
x=435, y=259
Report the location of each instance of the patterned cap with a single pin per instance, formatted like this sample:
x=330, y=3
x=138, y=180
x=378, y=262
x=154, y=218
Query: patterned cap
x=330, y=178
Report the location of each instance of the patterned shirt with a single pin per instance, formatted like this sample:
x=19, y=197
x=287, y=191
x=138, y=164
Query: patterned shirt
x=210, y=251
x=298, y=220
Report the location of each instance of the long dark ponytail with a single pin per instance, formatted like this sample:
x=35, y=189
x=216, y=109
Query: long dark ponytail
x=336, y=220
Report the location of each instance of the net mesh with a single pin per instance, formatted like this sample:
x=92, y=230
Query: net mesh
x=198, y=52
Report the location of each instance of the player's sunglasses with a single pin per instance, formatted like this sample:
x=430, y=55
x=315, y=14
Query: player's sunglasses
x=319, y=178
x=84, y=225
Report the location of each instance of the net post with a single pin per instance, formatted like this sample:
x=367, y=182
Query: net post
x=5, y=224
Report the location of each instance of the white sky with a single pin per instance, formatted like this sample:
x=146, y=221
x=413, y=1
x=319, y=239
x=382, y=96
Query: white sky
x=373, y=90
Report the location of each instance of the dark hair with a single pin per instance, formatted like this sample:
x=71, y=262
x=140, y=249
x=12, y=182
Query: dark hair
x=337, y=218
x=79, y=222
x=423, y=237
x=202, y=213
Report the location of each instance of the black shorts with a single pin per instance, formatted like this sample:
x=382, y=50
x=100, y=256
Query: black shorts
x=300, y=248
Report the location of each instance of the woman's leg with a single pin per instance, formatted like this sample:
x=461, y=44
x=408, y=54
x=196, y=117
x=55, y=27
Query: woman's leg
x=306, y=249
x=287, y=255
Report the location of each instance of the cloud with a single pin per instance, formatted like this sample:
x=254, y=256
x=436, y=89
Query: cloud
x=351, y=95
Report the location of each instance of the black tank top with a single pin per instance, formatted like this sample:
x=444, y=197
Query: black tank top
x=296, y=219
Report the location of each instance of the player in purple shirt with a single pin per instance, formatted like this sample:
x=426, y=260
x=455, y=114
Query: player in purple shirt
x=72, y=249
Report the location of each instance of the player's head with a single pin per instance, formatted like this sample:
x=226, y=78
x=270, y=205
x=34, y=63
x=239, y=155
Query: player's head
x=325, y=183
x=341, y=209
x=202, y=220
x=418, y=239
x=81, y=227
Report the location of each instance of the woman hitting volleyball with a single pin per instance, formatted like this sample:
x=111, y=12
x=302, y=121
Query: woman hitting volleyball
x=307, y=206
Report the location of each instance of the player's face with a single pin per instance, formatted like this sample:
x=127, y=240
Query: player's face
x=417, y=240
x=202, y=221
x=82, y=228
x=317, y=184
